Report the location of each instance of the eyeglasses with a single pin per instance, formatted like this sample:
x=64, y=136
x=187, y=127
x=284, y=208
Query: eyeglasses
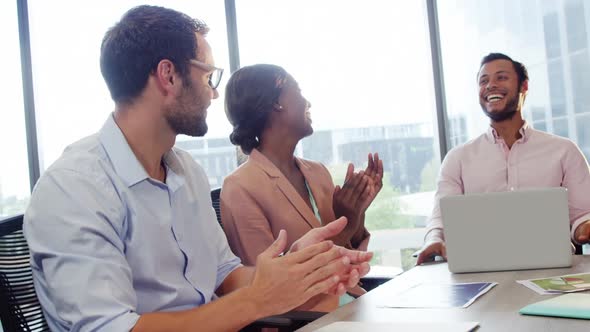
x=214, y=77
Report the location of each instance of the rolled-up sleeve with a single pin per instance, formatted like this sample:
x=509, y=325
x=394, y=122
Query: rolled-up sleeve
x=74, y=226
x=577, y=181
x=227, y=260
x=449, y=183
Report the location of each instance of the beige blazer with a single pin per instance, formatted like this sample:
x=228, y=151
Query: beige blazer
x=257, y=201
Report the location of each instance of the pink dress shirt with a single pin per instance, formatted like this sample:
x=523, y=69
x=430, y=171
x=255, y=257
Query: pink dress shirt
x=536, y=160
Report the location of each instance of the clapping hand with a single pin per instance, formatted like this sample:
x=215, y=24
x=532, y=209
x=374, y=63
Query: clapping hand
x=358, y=260
x=358, y=191
x=374, y=171
x=353, y=197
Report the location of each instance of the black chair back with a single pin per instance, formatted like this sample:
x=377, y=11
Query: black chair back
x=215, y=194
x=23, y=310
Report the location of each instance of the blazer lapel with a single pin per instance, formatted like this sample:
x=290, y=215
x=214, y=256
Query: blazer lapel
x=286, y=188
x=322, y=191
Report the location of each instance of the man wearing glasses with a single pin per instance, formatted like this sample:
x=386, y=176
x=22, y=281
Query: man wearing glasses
x=121, y=228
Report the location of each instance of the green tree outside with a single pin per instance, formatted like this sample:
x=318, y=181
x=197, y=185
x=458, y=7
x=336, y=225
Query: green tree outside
x=385, y=211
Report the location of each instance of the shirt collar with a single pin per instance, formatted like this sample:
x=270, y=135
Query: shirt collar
x=125, y=162
x=174, y=170
x=525, y=131
x=173, y=163
x=119, y=152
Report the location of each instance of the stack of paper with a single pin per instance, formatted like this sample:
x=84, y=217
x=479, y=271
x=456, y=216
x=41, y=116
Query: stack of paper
x=559, y=284
x=438, y=295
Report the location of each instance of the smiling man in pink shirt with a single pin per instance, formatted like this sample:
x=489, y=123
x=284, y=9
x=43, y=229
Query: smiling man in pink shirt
x=511, y=155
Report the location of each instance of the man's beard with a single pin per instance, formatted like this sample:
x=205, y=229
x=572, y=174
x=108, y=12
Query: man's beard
x=507, y=113
x=188, y=115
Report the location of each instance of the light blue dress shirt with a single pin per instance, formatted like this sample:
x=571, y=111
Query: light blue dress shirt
x=108, y=243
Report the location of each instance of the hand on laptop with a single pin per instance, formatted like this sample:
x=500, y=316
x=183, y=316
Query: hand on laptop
x=430, y=250
x=582, y=233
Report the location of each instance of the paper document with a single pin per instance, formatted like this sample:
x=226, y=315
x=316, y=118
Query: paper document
x=380, y=271
x=567, y=305
x=435, y=295
x=400, y=326
x=559, y=284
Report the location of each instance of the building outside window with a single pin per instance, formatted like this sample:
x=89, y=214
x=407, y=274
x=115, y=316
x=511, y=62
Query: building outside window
x=549, y=37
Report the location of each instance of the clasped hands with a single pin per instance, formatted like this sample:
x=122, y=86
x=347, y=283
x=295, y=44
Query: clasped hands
x=313, y=266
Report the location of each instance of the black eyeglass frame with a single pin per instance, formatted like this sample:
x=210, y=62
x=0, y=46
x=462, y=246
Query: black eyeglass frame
x=216, y=73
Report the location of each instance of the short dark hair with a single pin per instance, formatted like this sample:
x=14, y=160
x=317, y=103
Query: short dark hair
x=519, y=68
x=144, y=36
x=250, y=95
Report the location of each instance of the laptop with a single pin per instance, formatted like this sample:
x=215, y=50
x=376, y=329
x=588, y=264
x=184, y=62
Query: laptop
x=502, y=231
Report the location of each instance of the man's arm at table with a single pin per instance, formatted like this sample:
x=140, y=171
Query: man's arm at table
x=276, y=285
x=449, y=183
x=576, y=179
x=228, y=313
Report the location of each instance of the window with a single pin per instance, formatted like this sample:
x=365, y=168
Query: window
x=560, y=127
x=556, y=88
x=69, y=88
x=538, y=114
x=458, y=131
x=584, y=134
x=350, y=59
x=580, y=68
x=14, y=169
x=549, y=37
x=552, y=40
x=575, y=25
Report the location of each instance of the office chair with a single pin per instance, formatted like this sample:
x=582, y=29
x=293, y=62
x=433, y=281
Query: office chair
x=289, y=321
x=20, y=309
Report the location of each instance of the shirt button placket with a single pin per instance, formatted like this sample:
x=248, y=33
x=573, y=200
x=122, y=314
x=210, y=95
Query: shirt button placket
x=512, y=168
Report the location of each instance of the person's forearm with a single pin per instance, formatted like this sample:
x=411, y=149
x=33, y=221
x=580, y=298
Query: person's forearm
x=353, y=234
x=343, y=239
x=360, y=233
x=434, y=235
x=229, y=313
x=238, y=278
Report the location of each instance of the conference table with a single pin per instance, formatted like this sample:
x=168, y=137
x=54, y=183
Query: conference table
x=496, y=310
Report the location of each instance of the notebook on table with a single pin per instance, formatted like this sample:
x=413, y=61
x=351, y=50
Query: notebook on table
x=573, y=305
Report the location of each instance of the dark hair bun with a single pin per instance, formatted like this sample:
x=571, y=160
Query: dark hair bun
x=245, y=138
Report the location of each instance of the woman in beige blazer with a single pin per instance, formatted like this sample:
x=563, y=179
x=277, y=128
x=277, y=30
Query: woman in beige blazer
x=275, y=190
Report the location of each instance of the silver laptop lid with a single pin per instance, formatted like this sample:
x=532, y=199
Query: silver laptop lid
x=514, y=230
